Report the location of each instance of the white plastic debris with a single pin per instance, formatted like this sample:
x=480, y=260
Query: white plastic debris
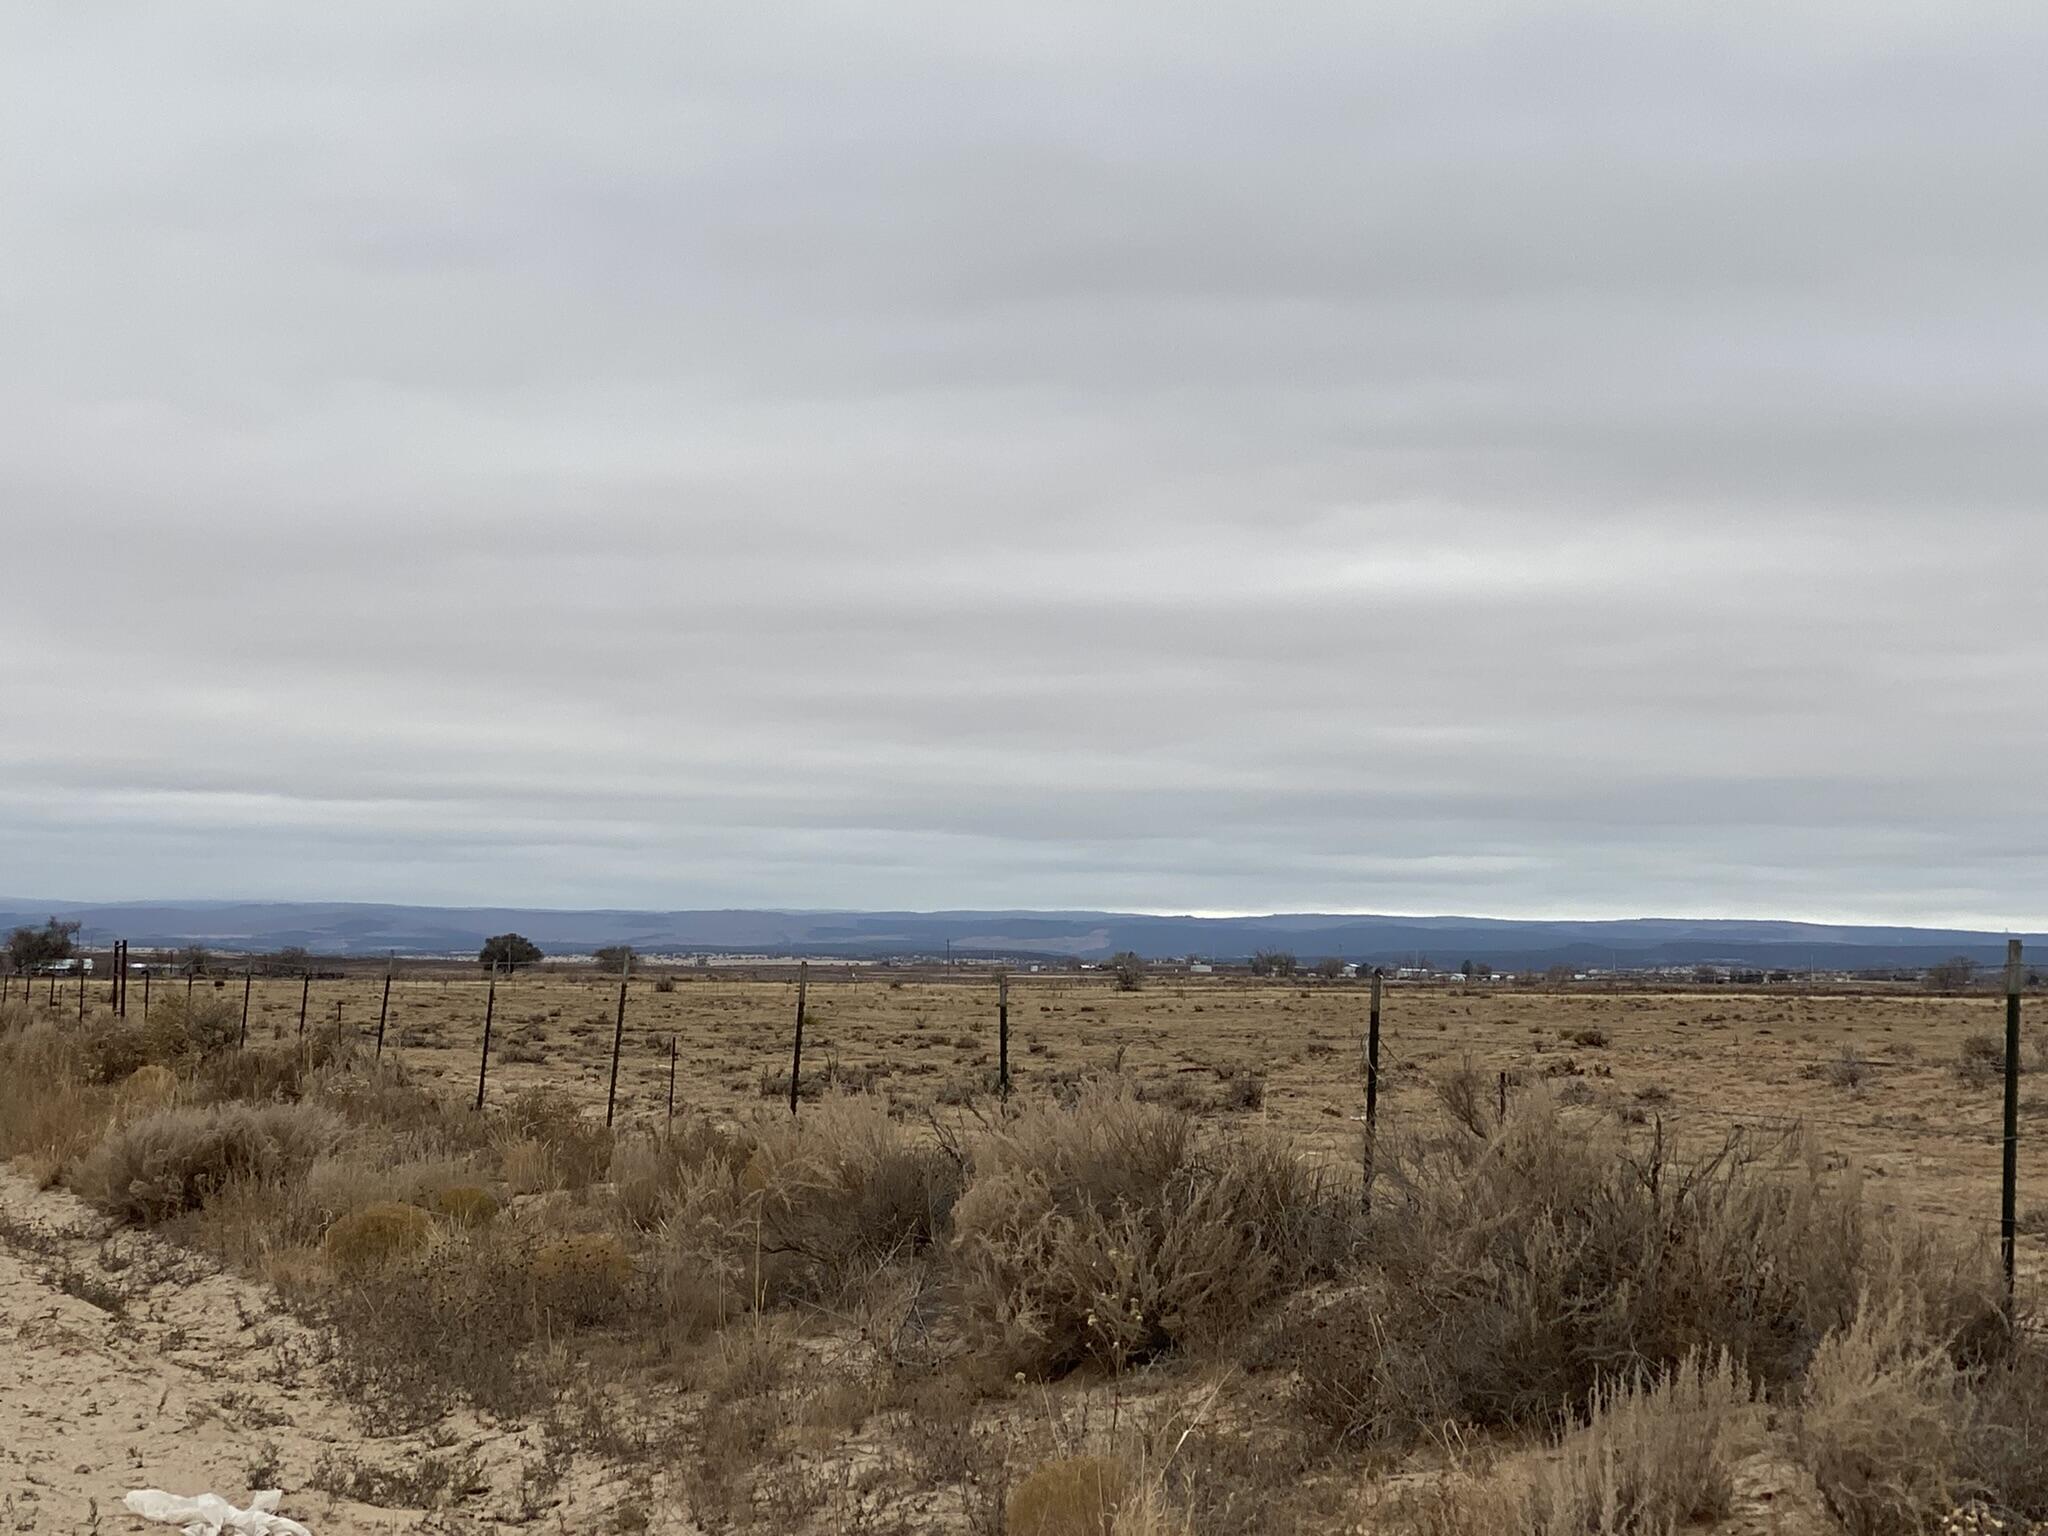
x=208, y=1514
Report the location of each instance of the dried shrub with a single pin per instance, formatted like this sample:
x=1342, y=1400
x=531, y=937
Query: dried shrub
x=112, y=1050
x=264, y=1073
x=1467, y=1096
x=469, y=1205
x=1878, y=1421
x=828, y=1198
x=586, y=1277
x=146, y=1088
x=1072, y=1496
x=528, y=1166
x=48, y=1115
x=449, y=1324
x=787, y=1210
x=1981, y=1058
x=651, y=1176
x=578, y=1149
x=1519, y=1266
x=1848, y=1070
x=380, y=1097
x=371, y=1238
x=428, y=1481
x=174, y=1160
x=2003, y=1457
x=1103, y=1233
x=177, y=1034
x=1655, y=1455
x=1243, y=1091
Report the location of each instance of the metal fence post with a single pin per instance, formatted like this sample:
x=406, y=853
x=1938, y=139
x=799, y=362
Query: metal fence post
x=611, y=1097
x=1003, y=1032
x=1372, y=1085
x=2008, y=1207
x=796, y=1057
x=483, y=1064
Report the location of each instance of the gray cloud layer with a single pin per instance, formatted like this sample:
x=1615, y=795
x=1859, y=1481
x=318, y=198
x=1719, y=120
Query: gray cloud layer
x=1487, y=459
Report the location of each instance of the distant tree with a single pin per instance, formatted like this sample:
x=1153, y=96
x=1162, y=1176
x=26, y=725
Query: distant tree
x=1558, y=974
x=195, y=959
x=613, y=957
x=28, y=947
x=1953, y=974
x=1128, y=967
x=508, y=950
x=1273, y=962
x=1330, y=967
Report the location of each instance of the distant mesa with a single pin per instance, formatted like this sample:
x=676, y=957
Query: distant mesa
x=1419, y=943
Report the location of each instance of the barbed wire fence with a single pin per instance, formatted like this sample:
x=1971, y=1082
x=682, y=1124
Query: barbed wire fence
x=1382, y=1058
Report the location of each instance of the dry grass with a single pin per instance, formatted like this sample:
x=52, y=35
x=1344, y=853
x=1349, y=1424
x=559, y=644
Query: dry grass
x=1517, y=1271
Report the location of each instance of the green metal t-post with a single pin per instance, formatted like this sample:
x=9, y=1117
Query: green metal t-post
x=2008, y=1208
x=1372, y=1086
x=796, y=1055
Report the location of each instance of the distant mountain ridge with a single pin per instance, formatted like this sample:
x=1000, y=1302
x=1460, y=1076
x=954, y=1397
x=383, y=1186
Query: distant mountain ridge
x=368, y=928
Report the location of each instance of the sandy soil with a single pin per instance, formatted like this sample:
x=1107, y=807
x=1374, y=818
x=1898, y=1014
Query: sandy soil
x=130, y=1363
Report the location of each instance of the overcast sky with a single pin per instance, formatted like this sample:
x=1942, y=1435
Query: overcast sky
x=1520, y=461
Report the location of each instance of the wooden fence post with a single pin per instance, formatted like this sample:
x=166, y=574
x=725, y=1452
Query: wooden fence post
x=796, y=1058
x=2008, y=1206
x=1372, y=1085
x=384, y=1010
x=248, y=980
x=483, y=1064
x=81, y=989
x=611, y=1097
x=147, y=972
x=671, y=1080
x=305, y=991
